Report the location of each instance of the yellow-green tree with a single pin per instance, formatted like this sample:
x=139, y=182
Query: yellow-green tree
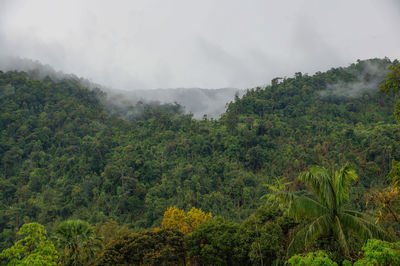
x=33, y=249
x=111, y=230
x=185, y=223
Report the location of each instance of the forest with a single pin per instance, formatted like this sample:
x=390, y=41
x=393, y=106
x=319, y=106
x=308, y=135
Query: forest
x=304, y=171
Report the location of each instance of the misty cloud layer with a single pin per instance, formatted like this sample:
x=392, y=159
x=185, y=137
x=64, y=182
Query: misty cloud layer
x=367, y=81
x=197, y=101
x=148, y=44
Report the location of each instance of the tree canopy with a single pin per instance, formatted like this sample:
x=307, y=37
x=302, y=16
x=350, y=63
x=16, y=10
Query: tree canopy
x=327, y=216
x=33, y=249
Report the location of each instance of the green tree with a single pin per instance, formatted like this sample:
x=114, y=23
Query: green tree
x=377, y=252
x=33, y=249
x=76, y=241
x=214, y=242
x=111, y=230
x=394, y=174
x=392, y=81
x=161, y=247
x=327, y=216
x=261, y=237
x=392, y=86
x=387, y=203
x=318, y=258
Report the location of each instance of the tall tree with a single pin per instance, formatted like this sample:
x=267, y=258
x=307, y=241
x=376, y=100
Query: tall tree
x=327, y=215
x=392, y=86
x=378, y=252
x=33, y=249
x=161, y=247
x=214, y=243
x=185, y=223
x=318, y=258
x=76, y=242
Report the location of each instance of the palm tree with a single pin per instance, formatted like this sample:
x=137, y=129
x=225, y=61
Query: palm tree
x=76, y=242
x=327, y=215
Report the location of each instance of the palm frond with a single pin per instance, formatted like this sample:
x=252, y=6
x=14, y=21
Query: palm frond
x=278, y=185
x=362, y=226
x=341, y=182
x=279, y=194
x=340, y=236
x=305, y=207
x=309, y=233
x=321, y=183
x=355, y=213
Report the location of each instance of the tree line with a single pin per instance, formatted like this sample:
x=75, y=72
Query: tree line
x=288, y=225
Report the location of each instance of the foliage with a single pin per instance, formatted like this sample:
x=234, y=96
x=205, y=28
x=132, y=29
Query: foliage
x=392, y=80
x=110, y=230
x=391, y=85
x=318, y=258
x=33, y=249
x=214, y=242
x=175, y=218
x=76, y=242
x=278, y=192
x=185, y=223
x=377, y=252
x=261, y=239
x=327, y=215
x=394, y=174
x=162, y=247
x=387, y=202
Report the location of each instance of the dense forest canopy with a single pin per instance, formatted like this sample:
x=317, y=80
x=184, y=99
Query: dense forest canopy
x=67, y=153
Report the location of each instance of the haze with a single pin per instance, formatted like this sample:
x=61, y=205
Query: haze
x=199, y=44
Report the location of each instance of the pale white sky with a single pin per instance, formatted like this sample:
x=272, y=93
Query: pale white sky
x=144, y=44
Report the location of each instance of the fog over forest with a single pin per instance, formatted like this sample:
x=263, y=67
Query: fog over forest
x=197, y=101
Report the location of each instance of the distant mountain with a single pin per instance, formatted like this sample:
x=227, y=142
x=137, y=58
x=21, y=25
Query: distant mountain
x=199, y=102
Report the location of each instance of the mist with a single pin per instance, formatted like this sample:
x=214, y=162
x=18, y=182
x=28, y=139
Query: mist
x=199, y=102
x=367, y=81
x=138, y=46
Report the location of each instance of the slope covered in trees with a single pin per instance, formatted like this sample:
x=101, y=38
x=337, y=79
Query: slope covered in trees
x=66, y=153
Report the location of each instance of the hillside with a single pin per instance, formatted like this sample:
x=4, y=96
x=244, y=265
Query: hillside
x=65, y=153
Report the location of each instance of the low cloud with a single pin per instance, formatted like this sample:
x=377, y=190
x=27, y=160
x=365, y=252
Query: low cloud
x=368, y=80
x=149, y=44
x=197, y=101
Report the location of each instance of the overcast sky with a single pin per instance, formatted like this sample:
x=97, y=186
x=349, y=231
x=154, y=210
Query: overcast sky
x=197, y=43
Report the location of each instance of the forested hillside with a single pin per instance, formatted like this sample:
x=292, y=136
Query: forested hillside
x=68, y=153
